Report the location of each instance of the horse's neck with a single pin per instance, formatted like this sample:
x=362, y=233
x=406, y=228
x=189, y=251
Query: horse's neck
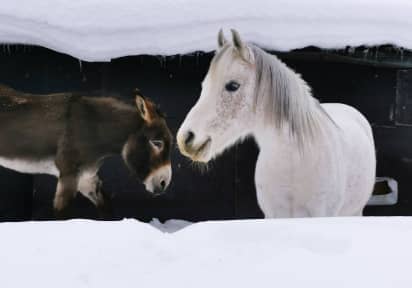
x=270, y=137
x=274, y=142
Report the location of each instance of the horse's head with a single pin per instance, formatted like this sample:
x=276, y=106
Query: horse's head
x=225, y=109
x=147, y=151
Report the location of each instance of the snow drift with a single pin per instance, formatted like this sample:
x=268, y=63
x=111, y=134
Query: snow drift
x=323, y=252
x=98, y=30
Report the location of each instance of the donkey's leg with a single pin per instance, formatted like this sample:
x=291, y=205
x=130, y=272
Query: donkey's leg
x=90, y=187
x=67, y=162
x=65, y=192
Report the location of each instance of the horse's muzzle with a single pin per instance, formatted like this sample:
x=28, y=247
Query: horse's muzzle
x=195, y=152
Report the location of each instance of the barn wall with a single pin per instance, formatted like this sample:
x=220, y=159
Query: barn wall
x=226, y=189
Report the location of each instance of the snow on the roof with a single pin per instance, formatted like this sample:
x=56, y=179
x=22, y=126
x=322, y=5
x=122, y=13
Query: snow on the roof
x=98, y=30
x=323, y=252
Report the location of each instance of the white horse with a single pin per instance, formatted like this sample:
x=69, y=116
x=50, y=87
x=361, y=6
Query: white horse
x=315, y=160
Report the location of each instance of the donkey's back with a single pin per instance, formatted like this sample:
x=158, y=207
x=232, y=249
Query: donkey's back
x=30, y=125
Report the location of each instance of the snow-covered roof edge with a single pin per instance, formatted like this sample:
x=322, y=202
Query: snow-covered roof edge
x=100, y=30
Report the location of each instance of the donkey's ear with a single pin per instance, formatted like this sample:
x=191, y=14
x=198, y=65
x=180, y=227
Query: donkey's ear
x=240, y=45
x=221, y=40
x=142, y=108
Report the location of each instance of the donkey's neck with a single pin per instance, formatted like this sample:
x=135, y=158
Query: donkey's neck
x=117, y=120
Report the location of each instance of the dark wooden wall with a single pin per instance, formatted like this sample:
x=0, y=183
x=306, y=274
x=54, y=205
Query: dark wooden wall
x=226, y=189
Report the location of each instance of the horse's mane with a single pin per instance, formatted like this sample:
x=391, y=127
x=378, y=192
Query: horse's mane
x=286, y=98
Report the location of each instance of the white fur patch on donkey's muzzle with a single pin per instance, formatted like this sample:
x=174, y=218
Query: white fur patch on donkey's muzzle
x=158, y=181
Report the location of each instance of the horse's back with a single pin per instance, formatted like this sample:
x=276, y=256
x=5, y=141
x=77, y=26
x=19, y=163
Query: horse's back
x=345, y=116
x=354, y=134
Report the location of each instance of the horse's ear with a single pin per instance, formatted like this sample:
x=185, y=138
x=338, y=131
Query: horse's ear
x=142, y=108
x=236, y=39
x=240, y=45
x=221, y=40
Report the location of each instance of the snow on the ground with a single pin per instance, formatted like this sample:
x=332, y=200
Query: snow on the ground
x=103, y=29
x=323, y=252
x=169, y=226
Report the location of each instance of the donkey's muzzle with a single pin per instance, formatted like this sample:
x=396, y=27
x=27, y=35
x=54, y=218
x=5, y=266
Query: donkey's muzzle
x=159, y=190
x=158, y=181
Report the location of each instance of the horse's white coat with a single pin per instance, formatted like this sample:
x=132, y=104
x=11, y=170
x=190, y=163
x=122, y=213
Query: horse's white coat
x=314, y=160
x=335, y=178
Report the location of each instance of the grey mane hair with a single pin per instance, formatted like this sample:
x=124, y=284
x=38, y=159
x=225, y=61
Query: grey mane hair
x=286, y=98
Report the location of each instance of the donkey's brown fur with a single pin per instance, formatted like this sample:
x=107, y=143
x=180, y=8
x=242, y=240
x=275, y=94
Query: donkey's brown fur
x=76, y=133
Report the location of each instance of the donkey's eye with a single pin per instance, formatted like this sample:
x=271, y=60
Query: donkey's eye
x=232, y=86
x=157, y=144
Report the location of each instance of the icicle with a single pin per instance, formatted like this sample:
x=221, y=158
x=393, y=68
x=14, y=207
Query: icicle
x=197, y=59
x=161, y=61
x=365, y=53
x=80, y=65
x=376, y=53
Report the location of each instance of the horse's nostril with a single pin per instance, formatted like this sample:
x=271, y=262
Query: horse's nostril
x=189, y=137
x=163, y=184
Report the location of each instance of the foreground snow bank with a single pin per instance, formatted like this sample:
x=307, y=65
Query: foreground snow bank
x=170, y=226
x=338, y=252
x=104, y=29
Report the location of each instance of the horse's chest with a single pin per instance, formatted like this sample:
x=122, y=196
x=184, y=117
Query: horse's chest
x=45, y=166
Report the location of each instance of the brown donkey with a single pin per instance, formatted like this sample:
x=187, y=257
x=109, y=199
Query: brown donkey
x=69, y=135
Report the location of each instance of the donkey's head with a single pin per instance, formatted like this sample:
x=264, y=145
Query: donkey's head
x=147, y=151
x=224, y=112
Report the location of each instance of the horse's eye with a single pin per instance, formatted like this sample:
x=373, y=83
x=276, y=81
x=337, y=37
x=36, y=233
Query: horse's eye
x=232, y=86
x=157, y=144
